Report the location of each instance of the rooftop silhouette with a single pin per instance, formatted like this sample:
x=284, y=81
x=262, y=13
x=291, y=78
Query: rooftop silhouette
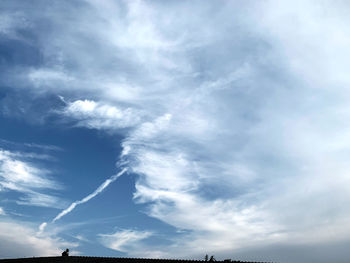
x=84, y=259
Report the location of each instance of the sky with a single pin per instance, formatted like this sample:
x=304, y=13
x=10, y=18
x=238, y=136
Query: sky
x=175, y=129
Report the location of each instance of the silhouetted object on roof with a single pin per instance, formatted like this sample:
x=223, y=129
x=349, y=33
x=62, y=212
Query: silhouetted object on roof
x=80, y=259
x=65, y=253
x=212, y=259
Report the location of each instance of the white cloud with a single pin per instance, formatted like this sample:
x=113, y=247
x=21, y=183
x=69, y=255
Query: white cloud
x=42, y=228
x=44, y=146
x=245, y=143
x=2, y=212
x=100, y=116
x=18, y=175
x=43, y=77
x=39, y=199
x=82, y=238
x=21, y=173
x=32, y=146
x=26, y=243
x=124, y=240
x=315, y=44
x=87, y=198
x=235, y=123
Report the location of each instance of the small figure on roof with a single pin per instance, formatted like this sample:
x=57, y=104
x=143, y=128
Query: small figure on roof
x=65, y=253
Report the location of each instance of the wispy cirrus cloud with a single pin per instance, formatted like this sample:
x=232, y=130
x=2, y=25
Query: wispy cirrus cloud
x=94, y=115
x=235, y=123
x=16, y=146
x=21, y=176
x=124, y=240
x=230, y=145
x=2, y=211
x=17, y=172
x=26, y=241
x=34, y=198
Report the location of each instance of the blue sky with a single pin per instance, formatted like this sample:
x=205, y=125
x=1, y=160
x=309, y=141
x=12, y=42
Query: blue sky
x=175, y=129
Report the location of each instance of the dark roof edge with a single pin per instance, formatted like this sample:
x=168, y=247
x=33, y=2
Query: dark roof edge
x=111, y=259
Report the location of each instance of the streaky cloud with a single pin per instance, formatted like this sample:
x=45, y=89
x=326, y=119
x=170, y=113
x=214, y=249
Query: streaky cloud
x=2, y=212
x=19, y=175
x=90, y=196
x=243, y=119
x=124, y=240
x=20, y=239
x=96, y=115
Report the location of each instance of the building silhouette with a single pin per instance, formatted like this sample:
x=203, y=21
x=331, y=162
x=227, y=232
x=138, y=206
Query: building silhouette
x=81, y=259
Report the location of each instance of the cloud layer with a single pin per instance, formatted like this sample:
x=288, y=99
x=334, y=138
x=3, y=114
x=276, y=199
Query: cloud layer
x=26, y=242
x=235, y=125
x=124, y=240
x=18, y=174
